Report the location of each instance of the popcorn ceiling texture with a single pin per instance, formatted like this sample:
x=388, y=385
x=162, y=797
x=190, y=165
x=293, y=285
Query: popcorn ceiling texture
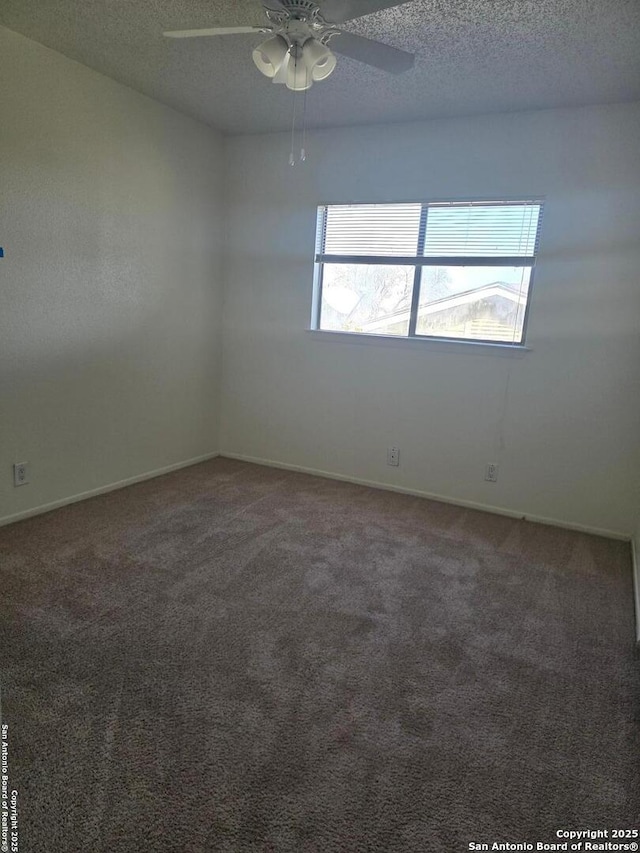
x=240, y=660
x=473, y=56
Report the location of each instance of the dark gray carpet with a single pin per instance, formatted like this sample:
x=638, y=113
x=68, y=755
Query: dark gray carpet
x=233, y=658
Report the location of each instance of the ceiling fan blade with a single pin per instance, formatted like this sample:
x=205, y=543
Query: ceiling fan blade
x=372, y=52
x=339, y=11
x=215, y=31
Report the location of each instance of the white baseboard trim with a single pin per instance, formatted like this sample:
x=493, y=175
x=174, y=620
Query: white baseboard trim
x=635, y=563
x=101, y=490
x=331, y=475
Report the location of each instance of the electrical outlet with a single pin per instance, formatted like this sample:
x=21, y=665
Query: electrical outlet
x=20, y=473
x=393, y=456
x=491, y=473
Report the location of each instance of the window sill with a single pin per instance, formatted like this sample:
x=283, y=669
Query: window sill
x=430, y=344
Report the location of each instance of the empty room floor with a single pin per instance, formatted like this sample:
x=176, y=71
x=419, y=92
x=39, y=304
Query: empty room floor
x=237, y=658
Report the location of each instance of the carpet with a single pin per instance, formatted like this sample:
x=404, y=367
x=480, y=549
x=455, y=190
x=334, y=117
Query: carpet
x=236, y=658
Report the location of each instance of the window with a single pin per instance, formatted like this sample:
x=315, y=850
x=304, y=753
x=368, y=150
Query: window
x=453, y=270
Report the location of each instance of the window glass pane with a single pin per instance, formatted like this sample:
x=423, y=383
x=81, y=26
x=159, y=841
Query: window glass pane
x=371, y=229
x=474, y=303
x=483, y=230
x=374, y=299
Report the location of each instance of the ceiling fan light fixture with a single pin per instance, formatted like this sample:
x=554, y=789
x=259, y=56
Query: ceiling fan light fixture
x=318, y=58
x=271, y=55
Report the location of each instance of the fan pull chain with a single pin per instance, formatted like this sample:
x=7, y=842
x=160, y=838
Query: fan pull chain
x=292, y=156
x=303, y=152
x=303, y=149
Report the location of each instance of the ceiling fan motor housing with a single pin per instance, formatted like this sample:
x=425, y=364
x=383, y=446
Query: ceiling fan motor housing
x=300, y=9
x=298, y=21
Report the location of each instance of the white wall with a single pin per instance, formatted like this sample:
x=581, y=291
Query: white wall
x=110, y=287
x=566, y=429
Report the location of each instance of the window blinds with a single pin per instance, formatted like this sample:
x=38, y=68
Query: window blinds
x=371, y=229
x=465, y=230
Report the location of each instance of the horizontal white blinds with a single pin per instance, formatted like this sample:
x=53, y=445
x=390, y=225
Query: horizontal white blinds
x=371, y=229
x=458, y=229
x=482, y=230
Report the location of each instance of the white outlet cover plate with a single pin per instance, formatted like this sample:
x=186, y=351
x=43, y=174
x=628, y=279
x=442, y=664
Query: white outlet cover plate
x=491, y=473
x=20, y=474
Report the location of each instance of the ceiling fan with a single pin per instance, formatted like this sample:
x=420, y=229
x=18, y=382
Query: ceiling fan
x=297, y=51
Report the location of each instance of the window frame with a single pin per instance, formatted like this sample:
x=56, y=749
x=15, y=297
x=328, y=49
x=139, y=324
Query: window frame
x=419, y=261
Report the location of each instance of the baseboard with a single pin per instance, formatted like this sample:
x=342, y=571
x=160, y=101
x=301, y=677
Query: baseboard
x=331, y=475
x=635, y=562
x=101, y=490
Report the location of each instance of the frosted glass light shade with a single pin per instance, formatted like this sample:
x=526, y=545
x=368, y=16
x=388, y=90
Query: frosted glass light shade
x=281, y=74
x=298, y=75
x=270, y=55
x=318, y=59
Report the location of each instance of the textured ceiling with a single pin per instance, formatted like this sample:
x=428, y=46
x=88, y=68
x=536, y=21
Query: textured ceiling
x=473, y=56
